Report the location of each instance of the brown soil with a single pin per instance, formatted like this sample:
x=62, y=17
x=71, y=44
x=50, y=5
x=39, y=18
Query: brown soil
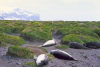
x=35, y=50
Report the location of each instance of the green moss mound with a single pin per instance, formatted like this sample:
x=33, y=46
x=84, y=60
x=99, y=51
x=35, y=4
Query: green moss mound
x=41, y=31
x=85, y=38
x=77, y=30
x=36, y=34
x=17, y=51
x=79, y=38
x=13, y=40
x=71, y=38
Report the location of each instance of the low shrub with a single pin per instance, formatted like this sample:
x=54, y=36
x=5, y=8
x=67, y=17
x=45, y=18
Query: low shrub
x=20, y=52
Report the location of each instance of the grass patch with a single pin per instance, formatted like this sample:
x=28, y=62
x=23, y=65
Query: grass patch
x=41, y=31
x=79, y=38
x=21, y=52
x=97, y=31
x=30, y=64
x=45, y=50
x=13, y=40
x=71, y=38
x=86, y=38
x=36, y=34
x=62, y=47
x=3, y=44
x=51, y=57
x=98, y=57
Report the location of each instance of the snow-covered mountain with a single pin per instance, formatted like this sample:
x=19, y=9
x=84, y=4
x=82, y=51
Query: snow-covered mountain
x=18, y=14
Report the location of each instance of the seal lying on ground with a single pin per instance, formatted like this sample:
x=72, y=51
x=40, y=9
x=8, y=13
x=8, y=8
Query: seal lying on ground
x=61, y=55
x=94, y=45
x=41, y=60
x=49, y=43
x=76, y=45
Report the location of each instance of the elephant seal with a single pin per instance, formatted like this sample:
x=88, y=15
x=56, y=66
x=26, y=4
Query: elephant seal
x=61, y=55
x=76, y=45
x=94, y=45
x=49, y=43
x=41, y=60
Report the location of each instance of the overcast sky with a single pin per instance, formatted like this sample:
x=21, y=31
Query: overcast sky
x=56, y=9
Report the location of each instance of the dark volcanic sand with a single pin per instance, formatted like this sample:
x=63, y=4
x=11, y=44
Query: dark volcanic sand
x=86, y=58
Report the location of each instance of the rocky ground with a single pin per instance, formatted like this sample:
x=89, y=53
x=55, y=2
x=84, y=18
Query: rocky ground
x=85, y=58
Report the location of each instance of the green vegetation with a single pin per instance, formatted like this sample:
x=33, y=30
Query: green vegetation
x=41, y=31
x=13, y=40
x=50, y=56
x=3, y=44
x=37, y=50
x=62, y=47
x=45, y=50
x=19, y=52
x=97, y=31
x=30, y=64
x=36, y=34
x=71, y=38
x=79, y=38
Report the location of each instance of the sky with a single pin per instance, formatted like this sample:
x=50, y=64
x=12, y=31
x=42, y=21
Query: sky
x=69, y=10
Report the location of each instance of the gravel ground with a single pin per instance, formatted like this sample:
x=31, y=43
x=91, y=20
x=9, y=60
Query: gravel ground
x=86, y=58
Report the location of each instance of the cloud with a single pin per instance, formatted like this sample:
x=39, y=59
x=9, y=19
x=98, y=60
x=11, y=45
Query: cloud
x=19, y=14
x=57, y=9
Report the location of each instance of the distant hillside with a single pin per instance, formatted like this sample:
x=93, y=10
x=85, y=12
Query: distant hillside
x=19, y=14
